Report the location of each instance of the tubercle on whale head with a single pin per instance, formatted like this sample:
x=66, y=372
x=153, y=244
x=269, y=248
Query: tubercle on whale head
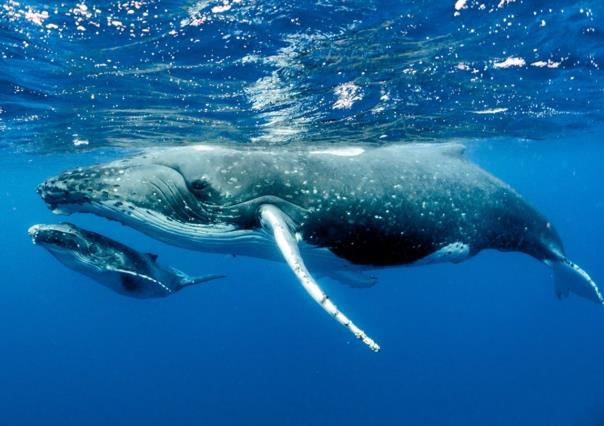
x=145, y=193
x=59, y=196
x=108, y=185
x=176, y=195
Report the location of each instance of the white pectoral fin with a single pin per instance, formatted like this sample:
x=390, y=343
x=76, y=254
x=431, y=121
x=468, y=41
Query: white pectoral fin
x=569, y=277
x=276, y=222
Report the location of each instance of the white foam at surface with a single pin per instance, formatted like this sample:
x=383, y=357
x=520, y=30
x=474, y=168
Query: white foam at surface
x=198, y=14
x=490, y=111
x=548, y=64
x=510, y=62
x=37, y=18
x=223, y=8
x=504, y=3
x=347, y=94
x=460, y=4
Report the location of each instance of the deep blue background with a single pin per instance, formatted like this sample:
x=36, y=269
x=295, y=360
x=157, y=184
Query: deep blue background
x=480, y=343
x=483, y=342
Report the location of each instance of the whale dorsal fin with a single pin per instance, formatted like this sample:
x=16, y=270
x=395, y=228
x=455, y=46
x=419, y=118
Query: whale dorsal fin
x=153, y=256
x=277, y=223
x=452, y=149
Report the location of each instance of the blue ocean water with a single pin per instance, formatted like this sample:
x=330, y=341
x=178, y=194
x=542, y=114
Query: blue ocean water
x=485, y=342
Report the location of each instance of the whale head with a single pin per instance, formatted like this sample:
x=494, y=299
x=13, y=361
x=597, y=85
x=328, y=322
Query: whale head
x=66, y=242
x=179, y=195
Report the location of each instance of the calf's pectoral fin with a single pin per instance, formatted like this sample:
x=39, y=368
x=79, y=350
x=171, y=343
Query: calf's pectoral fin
x=275, y=222
x=569, y=277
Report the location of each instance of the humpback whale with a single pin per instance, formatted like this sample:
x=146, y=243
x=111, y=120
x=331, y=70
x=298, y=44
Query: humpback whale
x=116, y=266
x=335, y=211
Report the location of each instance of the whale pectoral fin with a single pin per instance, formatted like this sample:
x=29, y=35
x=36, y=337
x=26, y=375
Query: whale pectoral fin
x=569, y=277
x=153, y=256
x=276, y=223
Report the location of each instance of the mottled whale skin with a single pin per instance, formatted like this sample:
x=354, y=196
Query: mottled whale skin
x=115, y=265
x=384, y=206
x=369, y=206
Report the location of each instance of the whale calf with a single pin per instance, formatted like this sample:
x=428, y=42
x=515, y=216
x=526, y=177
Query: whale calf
x=116, y=266
x=335, y=211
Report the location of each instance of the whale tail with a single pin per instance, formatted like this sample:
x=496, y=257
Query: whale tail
x=569, y=277
x=198, y=280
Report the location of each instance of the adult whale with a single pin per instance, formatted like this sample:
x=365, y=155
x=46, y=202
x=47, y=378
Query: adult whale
x=370, y=207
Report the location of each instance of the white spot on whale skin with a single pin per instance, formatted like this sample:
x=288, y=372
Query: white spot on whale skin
x=64, y=211
x=454, y=252
x=341, y=152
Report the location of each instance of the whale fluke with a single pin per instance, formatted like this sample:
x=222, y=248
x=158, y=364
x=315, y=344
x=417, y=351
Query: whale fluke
x=199, y=280
x=276, y=222
x=569, y=277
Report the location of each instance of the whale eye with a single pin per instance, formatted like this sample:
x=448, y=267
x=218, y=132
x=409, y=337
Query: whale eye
x=199, y=185
x=203, y=190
